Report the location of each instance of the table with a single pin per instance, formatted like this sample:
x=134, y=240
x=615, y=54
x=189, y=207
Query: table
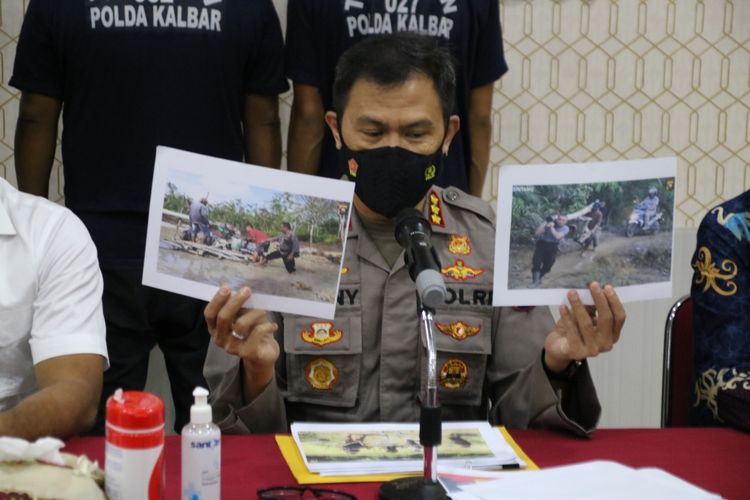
x=716, y=459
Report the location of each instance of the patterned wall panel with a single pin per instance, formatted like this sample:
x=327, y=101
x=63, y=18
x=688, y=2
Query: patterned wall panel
x=628, y=79
x=589, y=80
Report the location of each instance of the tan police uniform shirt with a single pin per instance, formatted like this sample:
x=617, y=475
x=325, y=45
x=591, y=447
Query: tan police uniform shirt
x=365, y=365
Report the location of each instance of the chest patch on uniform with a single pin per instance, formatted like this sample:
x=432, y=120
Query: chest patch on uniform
x=460, y=271
x=436, y=210
x=458, y=330
x=322, y=333
x=321, y=374
x=459, y=245
x=454, y=374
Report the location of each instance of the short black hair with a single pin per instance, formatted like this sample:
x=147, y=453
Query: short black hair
x=390, y=60
x=286, y=225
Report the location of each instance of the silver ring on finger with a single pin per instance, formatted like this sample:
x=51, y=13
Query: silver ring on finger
x=238, y=336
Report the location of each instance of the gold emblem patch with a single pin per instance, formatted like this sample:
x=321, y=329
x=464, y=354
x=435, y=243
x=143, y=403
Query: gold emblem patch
x=322, y=333
x=353, y=167
x=429, y=172
x=321, y=374
x=458, y=330
x=459, y=245
x=436, y=210
x=454, y=374
x=460, y=271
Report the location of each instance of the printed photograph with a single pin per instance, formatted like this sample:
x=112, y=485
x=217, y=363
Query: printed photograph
x=220, y=222
x=564, y=235
x=388, y=445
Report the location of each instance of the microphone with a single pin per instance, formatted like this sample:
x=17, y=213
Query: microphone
x=413, y=234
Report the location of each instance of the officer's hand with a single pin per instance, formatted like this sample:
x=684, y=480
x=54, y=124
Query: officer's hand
x=584, y=332
x=246, y=333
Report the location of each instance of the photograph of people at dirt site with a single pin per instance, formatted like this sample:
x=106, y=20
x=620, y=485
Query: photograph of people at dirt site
x=283, y=244
x=568, y=235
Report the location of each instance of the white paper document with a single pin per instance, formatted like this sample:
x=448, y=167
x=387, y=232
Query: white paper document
x=213, y=222
x=588, y=481
x=380, y=448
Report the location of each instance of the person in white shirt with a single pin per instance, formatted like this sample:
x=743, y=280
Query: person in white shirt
x=52, y=335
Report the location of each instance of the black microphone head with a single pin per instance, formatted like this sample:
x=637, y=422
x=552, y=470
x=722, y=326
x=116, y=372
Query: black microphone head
x=408, y=220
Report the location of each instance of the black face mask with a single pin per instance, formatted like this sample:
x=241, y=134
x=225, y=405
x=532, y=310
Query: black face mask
x=389, y=179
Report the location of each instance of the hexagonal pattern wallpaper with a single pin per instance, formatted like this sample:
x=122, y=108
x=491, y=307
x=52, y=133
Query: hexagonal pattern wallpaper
x=589, y=80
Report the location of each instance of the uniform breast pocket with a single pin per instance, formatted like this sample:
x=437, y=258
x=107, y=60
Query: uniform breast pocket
x=323, y=360
x=464, y=343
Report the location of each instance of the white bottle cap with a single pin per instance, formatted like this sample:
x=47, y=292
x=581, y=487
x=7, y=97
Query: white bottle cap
x=200, y=412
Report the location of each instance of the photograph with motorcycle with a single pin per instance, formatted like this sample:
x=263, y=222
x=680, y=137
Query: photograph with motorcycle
x=567, y=235
x=646, y=217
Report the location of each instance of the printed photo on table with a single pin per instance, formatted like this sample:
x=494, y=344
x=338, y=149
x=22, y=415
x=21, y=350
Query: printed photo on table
x=561, y=227
x=214, y=222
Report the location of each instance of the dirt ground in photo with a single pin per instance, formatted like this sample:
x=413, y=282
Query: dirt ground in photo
x=315, y=278
x=618, y=260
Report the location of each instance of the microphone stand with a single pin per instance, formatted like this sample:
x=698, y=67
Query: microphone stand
x=430, y=434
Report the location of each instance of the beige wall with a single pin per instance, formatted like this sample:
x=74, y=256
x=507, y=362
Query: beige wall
x=594, y=80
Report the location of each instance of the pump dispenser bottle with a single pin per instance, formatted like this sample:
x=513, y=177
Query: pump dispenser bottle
x=201, y=452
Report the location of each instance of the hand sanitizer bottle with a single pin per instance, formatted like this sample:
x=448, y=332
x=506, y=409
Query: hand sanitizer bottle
x=201, y=452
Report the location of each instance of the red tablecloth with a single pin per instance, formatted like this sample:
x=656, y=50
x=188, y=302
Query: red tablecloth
x=716, y=459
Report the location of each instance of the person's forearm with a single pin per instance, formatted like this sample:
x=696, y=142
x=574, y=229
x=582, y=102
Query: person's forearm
x=262, y=130
x=254, y=381
x=480, y=131
x=62, y=410
x=480, y=155
x=305, y=143
x=35, y=142
x=306, y=130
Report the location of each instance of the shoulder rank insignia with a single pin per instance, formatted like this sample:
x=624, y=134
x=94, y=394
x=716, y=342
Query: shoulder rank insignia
x=436, y=210
x=321, y=374
x=459, y=245
x=454, y=374
x=460, y=271
x=458, y=330
x=322, y=333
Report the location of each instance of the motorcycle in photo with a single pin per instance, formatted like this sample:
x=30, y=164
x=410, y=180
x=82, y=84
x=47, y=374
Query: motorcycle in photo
x=640, y=222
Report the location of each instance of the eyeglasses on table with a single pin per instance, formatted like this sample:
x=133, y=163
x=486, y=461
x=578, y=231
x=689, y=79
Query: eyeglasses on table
x=302, y=493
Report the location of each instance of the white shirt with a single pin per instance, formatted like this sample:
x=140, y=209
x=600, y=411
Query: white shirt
x=50, y=290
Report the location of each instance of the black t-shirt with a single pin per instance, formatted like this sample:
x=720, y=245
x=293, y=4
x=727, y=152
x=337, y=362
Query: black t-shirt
x=319, y=31
x=133, y=74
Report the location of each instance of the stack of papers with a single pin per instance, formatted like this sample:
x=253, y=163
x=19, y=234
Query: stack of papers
x=388, y=448
x=583, y=481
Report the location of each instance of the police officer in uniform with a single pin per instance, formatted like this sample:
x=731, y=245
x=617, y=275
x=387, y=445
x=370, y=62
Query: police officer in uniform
x=514, y=366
